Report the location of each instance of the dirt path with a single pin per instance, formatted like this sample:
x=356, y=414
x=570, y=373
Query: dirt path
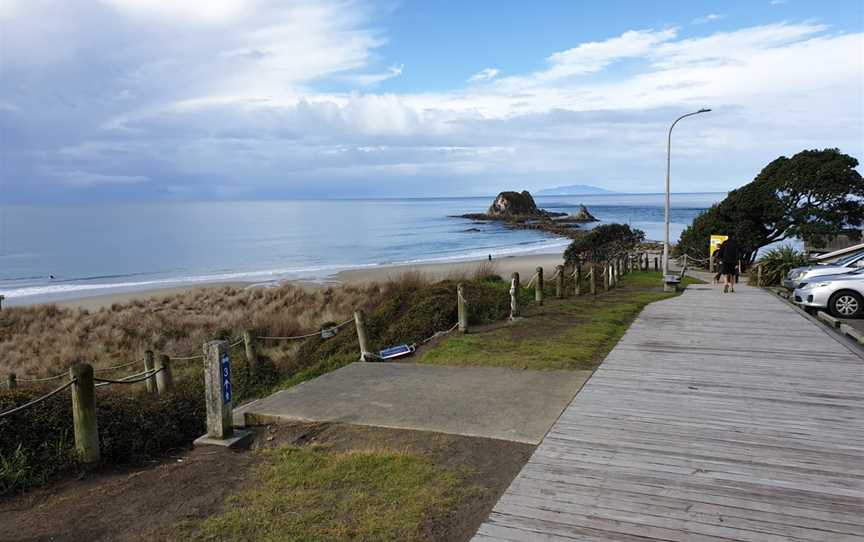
x=161, y=501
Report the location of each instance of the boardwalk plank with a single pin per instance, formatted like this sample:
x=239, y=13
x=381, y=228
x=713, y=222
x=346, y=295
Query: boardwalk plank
x=686, y=434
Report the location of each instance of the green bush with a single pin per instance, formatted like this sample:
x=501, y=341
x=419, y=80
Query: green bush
x=603, y=243
x=776, y=264
x=37, y=444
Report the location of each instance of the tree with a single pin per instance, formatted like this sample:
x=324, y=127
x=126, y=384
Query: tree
x=811, y=196
x=602, y=243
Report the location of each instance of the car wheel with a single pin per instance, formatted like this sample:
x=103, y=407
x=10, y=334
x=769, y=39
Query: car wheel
x=846, y=304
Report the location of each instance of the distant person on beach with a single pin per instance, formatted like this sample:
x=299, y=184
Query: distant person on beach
x=490, y=257
x=728, y=256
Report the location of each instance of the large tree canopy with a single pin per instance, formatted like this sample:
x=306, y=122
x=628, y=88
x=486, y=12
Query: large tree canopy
x=813, y=195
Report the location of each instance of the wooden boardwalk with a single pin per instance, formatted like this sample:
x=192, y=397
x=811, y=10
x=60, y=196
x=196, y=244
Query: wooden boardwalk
x=717, y=417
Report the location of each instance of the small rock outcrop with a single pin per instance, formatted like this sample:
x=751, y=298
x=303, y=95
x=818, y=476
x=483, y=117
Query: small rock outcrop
x=513, y=204
x=582, y=215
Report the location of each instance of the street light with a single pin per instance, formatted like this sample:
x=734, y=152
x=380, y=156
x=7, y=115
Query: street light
x=668, y=168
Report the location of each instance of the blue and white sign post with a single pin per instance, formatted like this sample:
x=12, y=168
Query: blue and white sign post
x=218, y=393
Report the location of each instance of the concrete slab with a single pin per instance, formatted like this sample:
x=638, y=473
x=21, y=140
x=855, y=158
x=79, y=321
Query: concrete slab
x=240, y=439
x=507, y=404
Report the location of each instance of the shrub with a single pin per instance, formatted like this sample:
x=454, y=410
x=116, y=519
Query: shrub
x=776, y=264
x=37, y=444
x=603, y=243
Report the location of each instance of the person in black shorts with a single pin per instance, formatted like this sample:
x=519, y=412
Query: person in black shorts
x=728, y=256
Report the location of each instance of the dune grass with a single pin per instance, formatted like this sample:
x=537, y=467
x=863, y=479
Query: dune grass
x=574, y=333
x=313, y=494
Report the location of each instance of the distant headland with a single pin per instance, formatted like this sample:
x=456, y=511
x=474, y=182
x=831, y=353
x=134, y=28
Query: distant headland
x=574, y=190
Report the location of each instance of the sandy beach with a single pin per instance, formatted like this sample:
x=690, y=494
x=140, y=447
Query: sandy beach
x=525, y=265
x=96, y=302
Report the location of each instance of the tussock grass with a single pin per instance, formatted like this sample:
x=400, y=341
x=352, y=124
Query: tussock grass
x=45, y=340
x=317, y=494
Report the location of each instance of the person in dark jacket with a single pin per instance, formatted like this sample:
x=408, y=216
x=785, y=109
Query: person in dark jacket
x=728, y=256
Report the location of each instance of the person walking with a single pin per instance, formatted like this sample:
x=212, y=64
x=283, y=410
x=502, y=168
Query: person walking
x=728, y=256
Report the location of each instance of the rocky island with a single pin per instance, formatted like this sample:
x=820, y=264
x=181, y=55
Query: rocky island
x=519, y=210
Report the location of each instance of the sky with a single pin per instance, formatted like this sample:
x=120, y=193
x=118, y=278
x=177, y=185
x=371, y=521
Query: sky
x=131, y=100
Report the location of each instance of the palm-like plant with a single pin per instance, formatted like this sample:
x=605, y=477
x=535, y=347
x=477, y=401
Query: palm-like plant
x=777, y=262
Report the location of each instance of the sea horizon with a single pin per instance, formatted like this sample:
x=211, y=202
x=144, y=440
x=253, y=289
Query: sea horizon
x=60, y=252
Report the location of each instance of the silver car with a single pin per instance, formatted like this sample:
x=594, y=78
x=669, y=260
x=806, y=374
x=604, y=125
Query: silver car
x=803, y=274
x=842, y=295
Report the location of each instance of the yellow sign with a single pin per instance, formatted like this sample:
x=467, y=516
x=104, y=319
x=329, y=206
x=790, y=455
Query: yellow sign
x=716, y=241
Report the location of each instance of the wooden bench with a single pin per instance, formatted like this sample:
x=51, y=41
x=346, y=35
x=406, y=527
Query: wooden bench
x=673, y=281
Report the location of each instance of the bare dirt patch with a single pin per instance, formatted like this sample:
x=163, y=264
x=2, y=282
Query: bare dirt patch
x=165, y=500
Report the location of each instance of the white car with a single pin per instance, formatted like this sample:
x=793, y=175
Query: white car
x=841, y=295
x=843, y=265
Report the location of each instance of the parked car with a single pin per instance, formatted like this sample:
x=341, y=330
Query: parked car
x=842, y=295
x=846, y=264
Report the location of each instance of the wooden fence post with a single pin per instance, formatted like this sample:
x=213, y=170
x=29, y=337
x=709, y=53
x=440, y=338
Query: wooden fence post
x=11, y=381
x=656, y=264
x=218, y=394
x=149, y=365
x=559, y=282
x=362, y=340
x=461, y=309
x=84, y=422
x=514, y=295
x=606, y=276
x=592, y=285
x=251, y=349
x=538, y=287
x=577, y=279
x=758, y=275
x=164, y=378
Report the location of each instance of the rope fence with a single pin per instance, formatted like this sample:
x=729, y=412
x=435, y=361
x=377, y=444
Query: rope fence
x=38, y=400
x=141, y=377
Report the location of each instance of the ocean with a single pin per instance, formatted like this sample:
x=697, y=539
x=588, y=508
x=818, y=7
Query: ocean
x=58, y=252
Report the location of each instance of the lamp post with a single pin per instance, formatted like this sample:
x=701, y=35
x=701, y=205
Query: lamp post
x=668, y=169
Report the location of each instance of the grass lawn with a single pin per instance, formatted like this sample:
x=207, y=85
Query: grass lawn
x=573, y=333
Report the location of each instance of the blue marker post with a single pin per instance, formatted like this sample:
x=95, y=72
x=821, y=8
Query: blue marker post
x=219, y=396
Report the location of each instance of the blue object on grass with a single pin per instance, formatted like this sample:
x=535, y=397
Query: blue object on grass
x=396, y=351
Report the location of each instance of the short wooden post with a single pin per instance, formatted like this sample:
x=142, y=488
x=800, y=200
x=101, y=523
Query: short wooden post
x=11, y=381
x=362, y=340
x=164, y=378
x=538, y=287
x=514, y=295
x=618, y=267
x=559, y=282
x=149, y=365
x=461, y=308
x=656, y=264
x=218, y=394
x=251, y=348
x=577, y=279
x=758, y=276
x=84, y=422
x=606, y=276
x=592, y=284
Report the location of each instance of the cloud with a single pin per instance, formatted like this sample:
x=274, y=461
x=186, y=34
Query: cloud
x=152, y=100
x=486, y=74
x=710, y=18
x=369, y=79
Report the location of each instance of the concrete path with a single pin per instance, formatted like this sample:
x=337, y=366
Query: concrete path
x=507, y=404
x=717, y=417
